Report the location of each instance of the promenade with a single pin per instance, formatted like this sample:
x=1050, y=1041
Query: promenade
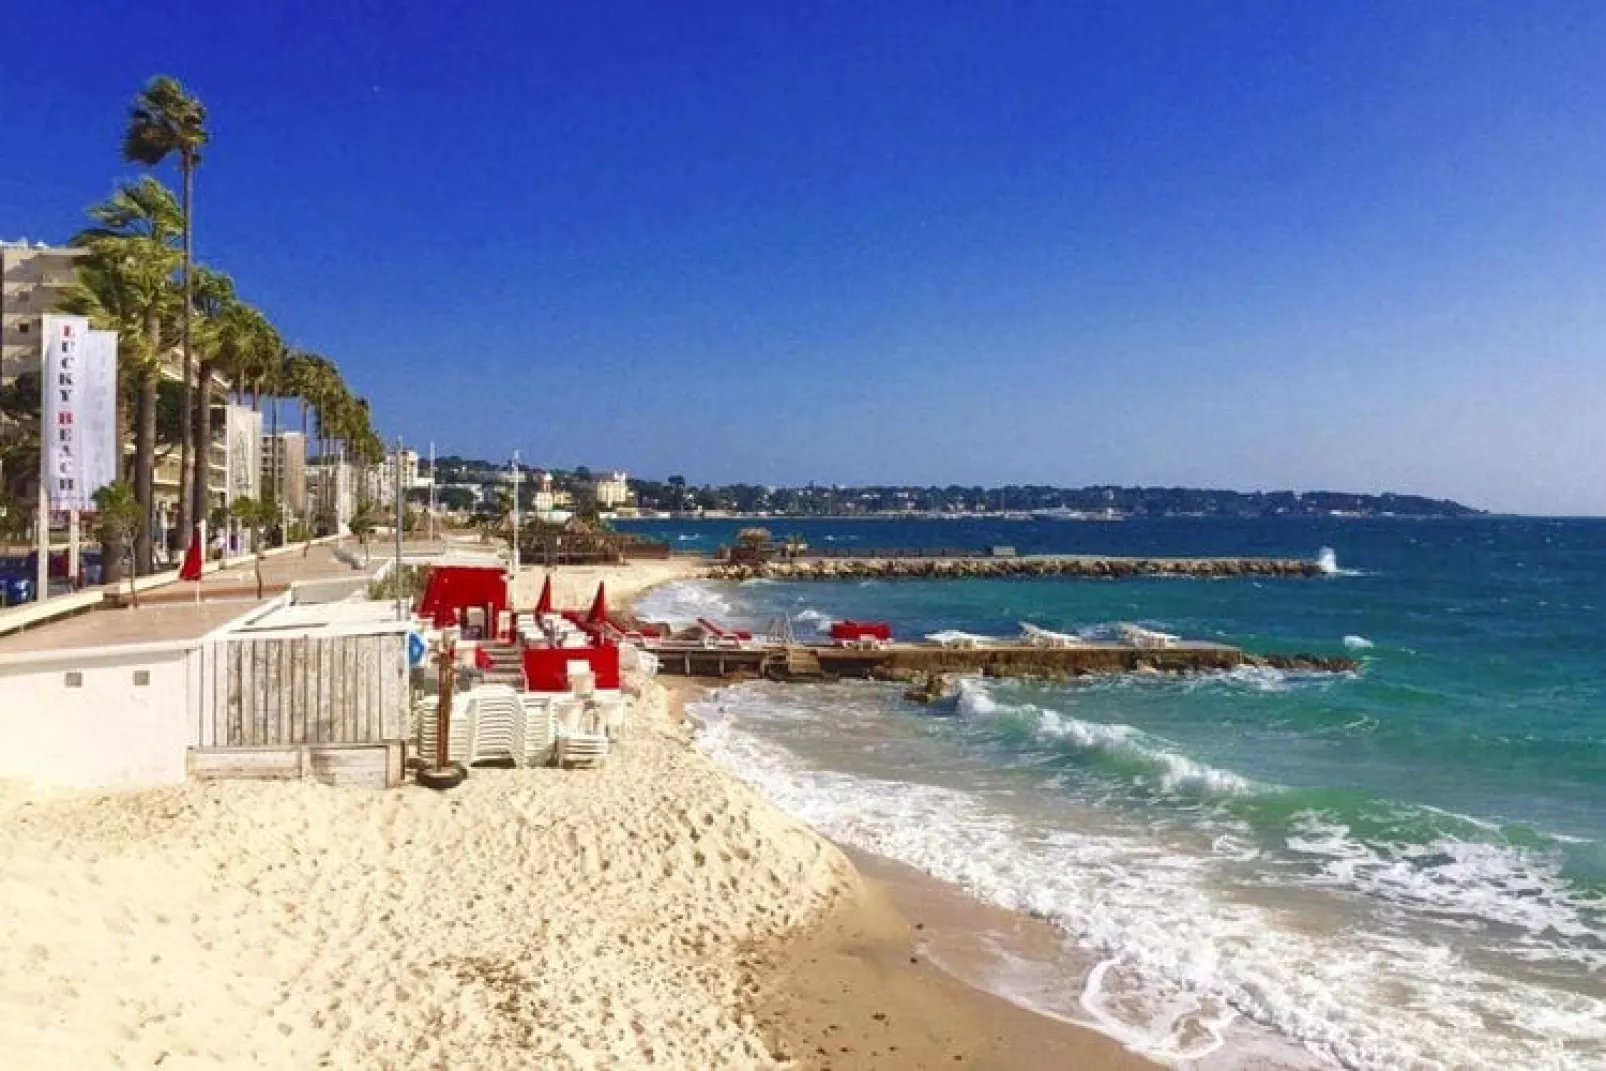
x=170, y=611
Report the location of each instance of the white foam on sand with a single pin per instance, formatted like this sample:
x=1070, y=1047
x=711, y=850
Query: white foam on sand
x=682, y=602
x=1181, y=960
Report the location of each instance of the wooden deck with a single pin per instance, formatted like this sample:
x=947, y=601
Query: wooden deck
x=907, y=659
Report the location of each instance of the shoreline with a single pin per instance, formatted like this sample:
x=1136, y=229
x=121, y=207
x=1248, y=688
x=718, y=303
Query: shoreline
x=857, y=987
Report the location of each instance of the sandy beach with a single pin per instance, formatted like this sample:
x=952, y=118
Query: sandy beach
x=529, y=918
x=653, y=913
x=573, y=586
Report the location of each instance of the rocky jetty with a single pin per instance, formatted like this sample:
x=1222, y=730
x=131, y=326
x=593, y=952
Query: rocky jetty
x=1304, y=663
x=989, y=568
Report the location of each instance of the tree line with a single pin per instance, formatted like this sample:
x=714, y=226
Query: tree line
x=676, y=495
x=138, y=277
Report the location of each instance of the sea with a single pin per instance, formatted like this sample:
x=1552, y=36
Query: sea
x=1399, y=867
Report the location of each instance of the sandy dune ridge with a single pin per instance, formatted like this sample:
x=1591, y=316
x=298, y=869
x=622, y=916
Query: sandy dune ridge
x=529, y=918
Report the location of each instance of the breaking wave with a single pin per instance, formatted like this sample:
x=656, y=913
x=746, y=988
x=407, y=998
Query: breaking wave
x=1176, y=961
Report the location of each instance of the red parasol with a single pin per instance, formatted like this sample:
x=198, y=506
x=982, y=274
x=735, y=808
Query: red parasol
x=191, y=569
x=543, y=605
x=599, y=607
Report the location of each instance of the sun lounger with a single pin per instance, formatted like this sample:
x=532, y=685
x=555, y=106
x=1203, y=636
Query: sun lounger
x=953, y=638
x=715, y=635
x=1042, y=637
x=1138, y=636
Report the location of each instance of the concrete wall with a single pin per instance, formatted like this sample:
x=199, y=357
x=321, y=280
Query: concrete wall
x=84, y=719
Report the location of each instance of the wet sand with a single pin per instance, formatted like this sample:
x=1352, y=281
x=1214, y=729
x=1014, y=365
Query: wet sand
x=858, y=989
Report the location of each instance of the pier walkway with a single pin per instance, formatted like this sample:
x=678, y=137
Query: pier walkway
x=897, y=661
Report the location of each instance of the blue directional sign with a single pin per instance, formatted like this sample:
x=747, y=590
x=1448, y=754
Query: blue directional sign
x=416, y=649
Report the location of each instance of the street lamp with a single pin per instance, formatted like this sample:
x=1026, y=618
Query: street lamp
x=515, y=517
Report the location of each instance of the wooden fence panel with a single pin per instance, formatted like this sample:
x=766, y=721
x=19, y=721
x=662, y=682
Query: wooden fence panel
x=305, y=689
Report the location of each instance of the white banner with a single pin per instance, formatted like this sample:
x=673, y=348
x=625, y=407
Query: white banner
x=243, y=436
x=79, y=411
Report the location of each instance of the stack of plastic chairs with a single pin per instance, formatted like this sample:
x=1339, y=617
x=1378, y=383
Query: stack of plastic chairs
x=495, y=718
x=460, y=741
x=577, y=743
x=537, y=732
x=426, y=717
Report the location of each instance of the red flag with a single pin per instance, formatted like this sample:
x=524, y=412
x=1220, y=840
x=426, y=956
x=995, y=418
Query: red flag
x=599, y=607
x=193, y=557
x=543, y=605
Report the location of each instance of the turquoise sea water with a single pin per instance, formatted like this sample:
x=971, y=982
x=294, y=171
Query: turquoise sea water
x=1401, y=867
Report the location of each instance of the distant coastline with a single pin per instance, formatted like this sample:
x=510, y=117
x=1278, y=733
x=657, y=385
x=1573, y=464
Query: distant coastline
x=1013, y=515
x=473, y=481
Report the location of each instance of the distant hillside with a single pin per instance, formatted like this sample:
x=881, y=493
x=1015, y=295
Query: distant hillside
x=676, y=494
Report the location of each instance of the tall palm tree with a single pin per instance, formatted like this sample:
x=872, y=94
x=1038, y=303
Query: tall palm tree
x=163, y=121
x=266, y=377
x=315, y=383
x=124, y=286
x=127, y=279
x=215, y=331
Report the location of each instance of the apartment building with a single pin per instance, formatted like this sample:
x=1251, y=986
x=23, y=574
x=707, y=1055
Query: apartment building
x=34, y=277
x=284, y=470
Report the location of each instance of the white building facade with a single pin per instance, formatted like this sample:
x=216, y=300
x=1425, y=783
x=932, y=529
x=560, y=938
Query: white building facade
x=613, y=490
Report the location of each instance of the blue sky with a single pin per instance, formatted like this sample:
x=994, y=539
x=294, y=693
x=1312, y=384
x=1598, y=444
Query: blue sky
x=1346, y=246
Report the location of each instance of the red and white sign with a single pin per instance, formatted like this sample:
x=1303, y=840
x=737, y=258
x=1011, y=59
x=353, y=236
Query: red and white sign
x=79, y=411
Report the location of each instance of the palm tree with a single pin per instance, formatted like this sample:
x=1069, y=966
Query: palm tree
x=126, y=282
x=118, y=518
x=268, y=375
x=166, y=120
x=362, y=525
x=233, y=338
x=254, y=515
x=216, y=329
x=302, y=374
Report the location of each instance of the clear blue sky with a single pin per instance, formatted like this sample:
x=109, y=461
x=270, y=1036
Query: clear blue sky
x=1265, y=245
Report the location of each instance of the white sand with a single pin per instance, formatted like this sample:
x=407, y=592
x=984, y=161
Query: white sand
x=574, y=586
x=529, y=918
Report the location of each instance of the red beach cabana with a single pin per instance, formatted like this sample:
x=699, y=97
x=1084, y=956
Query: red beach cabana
x=546, y=669
x=451, y=590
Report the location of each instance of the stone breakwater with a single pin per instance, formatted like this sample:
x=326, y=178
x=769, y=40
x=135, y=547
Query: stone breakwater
x=1091, y=568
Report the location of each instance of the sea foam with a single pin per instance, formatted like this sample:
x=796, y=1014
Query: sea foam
x=1356, y=998
x=681, y=603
